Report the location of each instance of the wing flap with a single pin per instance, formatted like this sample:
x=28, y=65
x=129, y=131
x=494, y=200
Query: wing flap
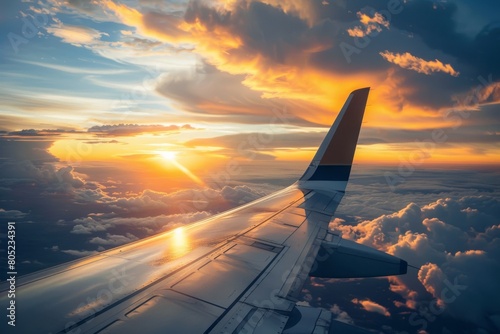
x=341, y=258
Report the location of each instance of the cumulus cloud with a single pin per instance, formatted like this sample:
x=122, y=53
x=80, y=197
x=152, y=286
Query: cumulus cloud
x=113, y=239
x=371, y=306
x=16, y=150
x=341, y=315
x=453, y=242
x=79, y=253
x=152, y=212
x=184, y=201
x=11, y=214
x=150, y=224
x=409, y=61
x=87, y=225
x=46, y=177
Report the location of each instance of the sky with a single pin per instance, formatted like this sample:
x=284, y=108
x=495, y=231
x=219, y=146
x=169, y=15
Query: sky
x=121, y=119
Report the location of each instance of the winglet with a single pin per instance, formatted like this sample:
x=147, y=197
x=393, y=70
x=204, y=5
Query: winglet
x=331, y=166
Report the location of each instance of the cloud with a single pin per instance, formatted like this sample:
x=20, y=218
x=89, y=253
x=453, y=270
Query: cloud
x=260, y=145
x=242, y=41
x=79, y=253
x=150, y=224
x=451, y=20
x=88, y=225
x=16, y=150
x=113, y=239
x=184, y=201
x=46, y=177
x=38, y=133
x=486, y=92
x=408, y=61
x=371, y=306
x=371, y=24
x=454, y=242
x=135, y=129
x=76, y=35
x=288, y=53
x=152, y=211
x=75, y=70
x=11, y=214
x=341, y=316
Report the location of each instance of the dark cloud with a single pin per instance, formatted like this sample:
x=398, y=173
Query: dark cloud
x=467, y=127
x=208, y=91
x=14, y=150
x=261, y=141
x=135, y=129
x=11, y=214
x=113, y=239
x=79, y=253
x=441, y=31
x=113, y=141
x=278, y=37
x=39, y=133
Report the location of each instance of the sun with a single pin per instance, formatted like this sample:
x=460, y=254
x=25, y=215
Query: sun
x=168, y=155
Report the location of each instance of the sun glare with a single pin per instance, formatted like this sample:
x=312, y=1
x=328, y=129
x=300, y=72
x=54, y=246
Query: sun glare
x=168, y=155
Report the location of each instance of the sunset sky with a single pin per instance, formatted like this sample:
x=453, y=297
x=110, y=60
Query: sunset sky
x=105, y=80
x=123, y=118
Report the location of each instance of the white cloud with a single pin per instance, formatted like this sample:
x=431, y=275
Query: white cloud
x=79, y=253
x=454, y=241
x=113, y=239
x=11, y=214
x=341, y=315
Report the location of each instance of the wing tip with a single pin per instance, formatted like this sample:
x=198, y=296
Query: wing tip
x=359, y=90
x=334, y=157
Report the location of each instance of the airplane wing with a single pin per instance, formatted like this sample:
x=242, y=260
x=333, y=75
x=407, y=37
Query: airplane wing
x=240, y=271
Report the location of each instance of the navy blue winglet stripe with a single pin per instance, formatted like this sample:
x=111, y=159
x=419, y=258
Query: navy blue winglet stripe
x=331, y=173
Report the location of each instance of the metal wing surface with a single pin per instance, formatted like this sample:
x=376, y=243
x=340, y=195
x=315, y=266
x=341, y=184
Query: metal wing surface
x=236, y=272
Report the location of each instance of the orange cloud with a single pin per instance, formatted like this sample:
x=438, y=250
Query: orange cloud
x=279, y=70
x=408, y=61
x=74, y=34
x=371, y=24
x=371, y=306
x=255, y=71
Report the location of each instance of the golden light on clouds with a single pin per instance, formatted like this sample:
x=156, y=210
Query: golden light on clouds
x=320, y=92
x=409, y=61
x=371, y=24
x=241, y=70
